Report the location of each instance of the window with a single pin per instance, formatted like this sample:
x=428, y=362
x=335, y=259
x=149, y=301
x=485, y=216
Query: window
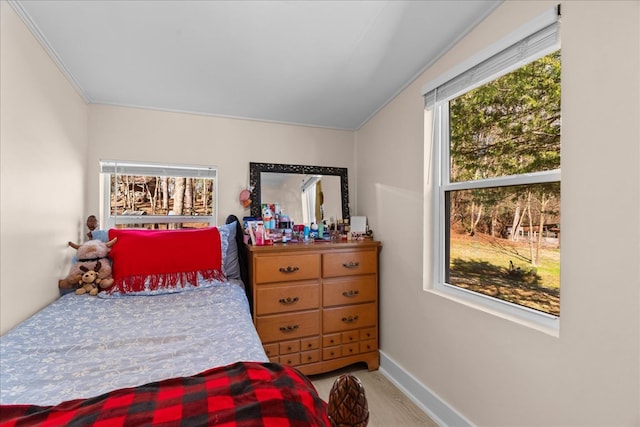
x=311, y=187
x=496, y=178
x=158, y=196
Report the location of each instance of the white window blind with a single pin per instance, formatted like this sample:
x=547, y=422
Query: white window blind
x=153, y=169
x=497, y=60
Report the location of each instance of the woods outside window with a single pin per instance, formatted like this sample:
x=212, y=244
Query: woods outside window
x=158, y=196
x=496, y=173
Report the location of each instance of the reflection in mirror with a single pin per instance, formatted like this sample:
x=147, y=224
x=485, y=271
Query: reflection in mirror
x=307, y=194
x=305, y=199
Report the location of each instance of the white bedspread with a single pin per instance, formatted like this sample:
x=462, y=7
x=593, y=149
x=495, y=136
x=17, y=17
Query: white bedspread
x=82, y=346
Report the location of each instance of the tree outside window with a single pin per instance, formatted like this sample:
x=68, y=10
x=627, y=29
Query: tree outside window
x=159, y=196
x=500, y=186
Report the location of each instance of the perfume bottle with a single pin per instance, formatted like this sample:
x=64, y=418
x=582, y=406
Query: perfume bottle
x=260, y=234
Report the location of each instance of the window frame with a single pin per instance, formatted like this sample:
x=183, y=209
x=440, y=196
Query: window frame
x=437, y=110
x=109, y=167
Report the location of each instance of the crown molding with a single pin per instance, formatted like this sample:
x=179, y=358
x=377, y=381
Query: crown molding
x=26, y=18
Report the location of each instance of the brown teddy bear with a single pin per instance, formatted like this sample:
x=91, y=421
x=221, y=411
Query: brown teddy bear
x=89, y=255
x=89, y=280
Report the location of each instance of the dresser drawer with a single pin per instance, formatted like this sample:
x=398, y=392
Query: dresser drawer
x=284, y=268
x=369, y=345
x=331, y=340
x=290, y=359
x=285, y=327
x=288, y=347
x=349, y=290
x=350, y=317
x=349, y=263
x=311, y=356
x=368, y=334
x=350, y=337
x=350, y=349
x=271, y=350
x=282, y=299
x=329, y=353
x=310, y=343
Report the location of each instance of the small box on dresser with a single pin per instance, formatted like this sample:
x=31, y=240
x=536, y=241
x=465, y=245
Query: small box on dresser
x=315, y=306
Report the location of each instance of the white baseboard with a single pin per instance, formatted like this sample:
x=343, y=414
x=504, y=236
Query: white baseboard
x=437, y=409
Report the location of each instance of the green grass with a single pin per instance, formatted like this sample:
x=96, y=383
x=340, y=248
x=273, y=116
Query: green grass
x=482, y=263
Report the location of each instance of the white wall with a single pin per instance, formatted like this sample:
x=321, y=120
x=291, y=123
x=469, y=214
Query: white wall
x=119, y=133
x=492, y=371
x=43, y=142
x=52, y=143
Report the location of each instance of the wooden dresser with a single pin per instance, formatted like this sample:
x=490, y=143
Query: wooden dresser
x=315, y=306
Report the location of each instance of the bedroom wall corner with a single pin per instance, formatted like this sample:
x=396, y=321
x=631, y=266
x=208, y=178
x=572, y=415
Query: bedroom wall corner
x=43, y=147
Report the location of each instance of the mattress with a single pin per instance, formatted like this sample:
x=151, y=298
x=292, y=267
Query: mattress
x=82, y=346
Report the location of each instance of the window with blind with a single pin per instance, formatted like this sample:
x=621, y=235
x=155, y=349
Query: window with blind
x=496, y=175
x=158, y=196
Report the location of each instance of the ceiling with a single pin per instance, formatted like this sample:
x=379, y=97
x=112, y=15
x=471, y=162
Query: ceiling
x=319, y=63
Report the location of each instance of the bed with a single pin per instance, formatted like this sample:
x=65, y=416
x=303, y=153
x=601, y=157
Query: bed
x=158, y=348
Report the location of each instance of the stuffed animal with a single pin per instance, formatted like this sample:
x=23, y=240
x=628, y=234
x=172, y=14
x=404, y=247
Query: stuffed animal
x=89, y=255
x=89, y=280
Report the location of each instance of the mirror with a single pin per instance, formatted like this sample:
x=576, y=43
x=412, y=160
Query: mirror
x=303, y=192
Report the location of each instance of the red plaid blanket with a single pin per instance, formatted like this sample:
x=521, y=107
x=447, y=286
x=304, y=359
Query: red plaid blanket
x=242, y=394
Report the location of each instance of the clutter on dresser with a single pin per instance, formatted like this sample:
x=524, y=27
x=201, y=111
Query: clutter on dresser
x=276, y=227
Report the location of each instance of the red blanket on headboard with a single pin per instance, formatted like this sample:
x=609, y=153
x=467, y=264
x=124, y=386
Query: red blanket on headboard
x=244, y=394
x=161, y=259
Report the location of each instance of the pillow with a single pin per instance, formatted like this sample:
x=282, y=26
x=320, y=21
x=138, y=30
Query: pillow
x=230, y=264
x=164, y=260
x=102, y=235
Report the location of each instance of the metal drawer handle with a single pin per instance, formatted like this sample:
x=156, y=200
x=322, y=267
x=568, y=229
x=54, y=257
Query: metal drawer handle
x=288, y=300
x=289, y=269
x=351, y=264
x=349, y=294
x=289, y=328
x=350, y=319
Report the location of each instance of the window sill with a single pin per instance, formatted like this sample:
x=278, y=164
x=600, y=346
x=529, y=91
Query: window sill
x=523, y=316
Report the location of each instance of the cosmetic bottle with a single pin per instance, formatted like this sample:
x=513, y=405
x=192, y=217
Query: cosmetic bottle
x=259, y=234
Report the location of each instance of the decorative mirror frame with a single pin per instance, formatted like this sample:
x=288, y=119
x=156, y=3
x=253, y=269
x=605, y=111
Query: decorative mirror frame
x=254, y=181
